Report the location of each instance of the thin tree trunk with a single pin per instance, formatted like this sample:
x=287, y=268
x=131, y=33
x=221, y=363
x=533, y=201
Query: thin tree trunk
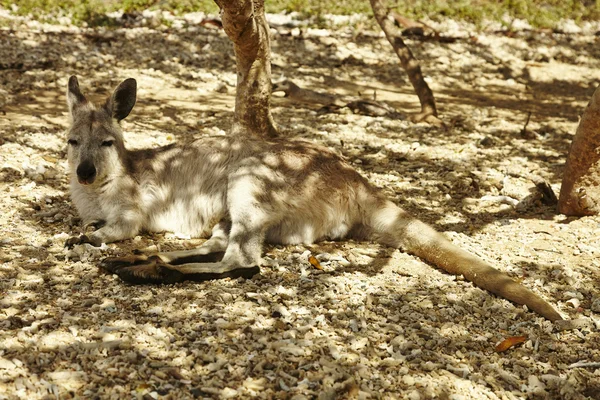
x=245, y=24
x=409, y=63
x=580, y=190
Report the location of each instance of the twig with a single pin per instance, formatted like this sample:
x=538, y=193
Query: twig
x=585, y=364
x=524, y=130
x=548, y=250
x=409, y=64
x=572, y=324
x=501, y=200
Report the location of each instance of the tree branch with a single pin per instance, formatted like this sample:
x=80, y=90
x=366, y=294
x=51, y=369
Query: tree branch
x=409, y=63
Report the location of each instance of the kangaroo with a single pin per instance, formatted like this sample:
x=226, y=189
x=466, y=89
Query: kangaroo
x=239, y=192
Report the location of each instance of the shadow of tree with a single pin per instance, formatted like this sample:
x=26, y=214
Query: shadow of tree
x=150, y=348
x=398, y=323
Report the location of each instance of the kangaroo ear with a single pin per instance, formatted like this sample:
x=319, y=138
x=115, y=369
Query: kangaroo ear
x=122, y=100
x=75, y=98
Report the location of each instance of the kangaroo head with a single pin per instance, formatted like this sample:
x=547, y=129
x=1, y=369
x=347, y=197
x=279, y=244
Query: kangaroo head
x=95, y=139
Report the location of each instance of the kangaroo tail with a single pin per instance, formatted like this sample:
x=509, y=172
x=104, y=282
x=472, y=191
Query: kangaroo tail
x=396, y=228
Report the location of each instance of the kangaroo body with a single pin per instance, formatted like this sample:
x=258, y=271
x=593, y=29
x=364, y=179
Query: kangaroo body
x=240, y=192
x=188, y=189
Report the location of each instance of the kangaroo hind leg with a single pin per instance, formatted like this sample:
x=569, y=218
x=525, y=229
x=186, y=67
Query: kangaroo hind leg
x=158, y=267
x=240, y=249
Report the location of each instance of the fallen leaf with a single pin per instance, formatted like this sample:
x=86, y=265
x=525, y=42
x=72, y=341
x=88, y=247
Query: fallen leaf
x=314, y=262
x=50, y=159
x=143, y=388
x=510, y=342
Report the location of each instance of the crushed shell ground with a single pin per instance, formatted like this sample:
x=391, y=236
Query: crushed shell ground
x=375, y=322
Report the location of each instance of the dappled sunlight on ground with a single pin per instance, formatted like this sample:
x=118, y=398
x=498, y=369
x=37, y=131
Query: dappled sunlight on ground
x=375, y=322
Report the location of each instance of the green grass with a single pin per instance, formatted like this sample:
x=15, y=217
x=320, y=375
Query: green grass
x=538, y=12
x=319, y=7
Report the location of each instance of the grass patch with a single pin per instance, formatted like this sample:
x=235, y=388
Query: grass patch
x=544, y=14
x=319, y=7
x=539, y=13
x=91, y=11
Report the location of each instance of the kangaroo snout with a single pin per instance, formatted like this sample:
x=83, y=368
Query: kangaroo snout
x=86, y=173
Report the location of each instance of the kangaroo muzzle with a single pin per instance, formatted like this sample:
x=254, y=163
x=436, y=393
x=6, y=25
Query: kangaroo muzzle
x=86, y=173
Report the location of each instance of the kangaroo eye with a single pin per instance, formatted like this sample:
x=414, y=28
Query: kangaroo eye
x=108, y=143
x=72, y=142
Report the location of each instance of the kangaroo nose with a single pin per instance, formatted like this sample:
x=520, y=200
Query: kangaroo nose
x=86, y=173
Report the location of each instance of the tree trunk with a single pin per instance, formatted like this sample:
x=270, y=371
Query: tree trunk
x=409, y=63
x=580, y=190
x=245, y=24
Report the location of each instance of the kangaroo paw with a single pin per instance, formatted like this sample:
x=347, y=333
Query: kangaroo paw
x=73, y=240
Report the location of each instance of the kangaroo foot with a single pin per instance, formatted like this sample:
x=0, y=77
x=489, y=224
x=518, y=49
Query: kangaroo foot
x=142, y=269
x=114, y=264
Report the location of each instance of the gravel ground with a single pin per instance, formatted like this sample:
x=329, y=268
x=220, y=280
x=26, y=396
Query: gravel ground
x=375, y=322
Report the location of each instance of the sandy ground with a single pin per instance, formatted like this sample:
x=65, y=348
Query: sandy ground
x=375, y=323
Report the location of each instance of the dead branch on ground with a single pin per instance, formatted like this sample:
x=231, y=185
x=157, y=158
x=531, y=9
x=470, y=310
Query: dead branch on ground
x=331, y=103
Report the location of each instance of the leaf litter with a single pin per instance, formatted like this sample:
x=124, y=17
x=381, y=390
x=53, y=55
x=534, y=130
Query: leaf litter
x=374, y=322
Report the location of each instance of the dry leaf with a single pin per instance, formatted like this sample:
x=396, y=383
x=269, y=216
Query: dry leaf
x=510, y=342
x=314, y=262
x=144, y=387
x=50, y=159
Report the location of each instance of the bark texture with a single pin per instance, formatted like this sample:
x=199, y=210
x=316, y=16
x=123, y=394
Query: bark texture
x=245, y=24
x=409, y=63
x=580, y=190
